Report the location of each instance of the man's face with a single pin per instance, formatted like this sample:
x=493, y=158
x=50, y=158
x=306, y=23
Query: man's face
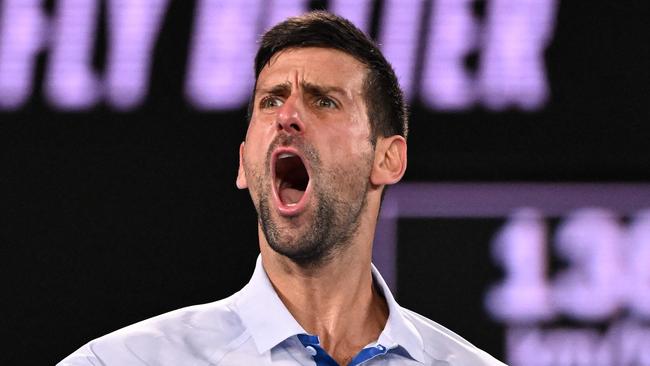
x=307, y=156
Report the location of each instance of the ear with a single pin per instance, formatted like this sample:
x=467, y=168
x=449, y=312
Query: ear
x=390, y=160
x=241, y=176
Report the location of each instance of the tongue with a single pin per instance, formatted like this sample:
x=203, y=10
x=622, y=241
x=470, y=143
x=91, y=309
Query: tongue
x=290, y=195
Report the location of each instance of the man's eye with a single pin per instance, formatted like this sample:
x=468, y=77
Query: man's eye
x=270, y=102
x=324, y=102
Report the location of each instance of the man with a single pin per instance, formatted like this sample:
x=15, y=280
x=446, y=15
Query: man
x=327, y=134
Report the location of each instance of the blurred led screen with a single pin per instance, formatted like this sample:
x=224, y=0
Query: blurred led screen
x=547, y=274
x=509, y=41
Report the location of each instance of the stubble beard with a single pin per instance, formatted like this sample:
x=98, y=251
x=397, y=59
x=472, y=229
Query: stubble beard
x=335, y=218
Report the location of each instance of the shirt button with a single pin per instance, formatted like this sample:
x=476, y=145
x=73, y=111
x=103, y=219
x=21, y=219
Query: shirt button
x=311, y=350
x=380, y=347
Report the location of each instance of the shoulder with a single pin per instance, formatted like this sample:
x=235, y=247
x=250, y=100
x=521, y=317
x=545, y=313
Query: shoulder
x=442, y=344
x=199, y=334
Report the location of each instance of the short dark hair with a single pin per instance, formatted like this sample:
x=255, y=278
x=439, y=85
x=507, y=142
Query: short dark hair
x=384, y=99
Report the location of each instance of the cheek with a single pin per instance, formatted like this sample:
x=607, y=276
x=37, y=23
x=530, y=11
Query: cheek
x=254, y=163
x=256, y=143
x=349, y=144
x=349, y=158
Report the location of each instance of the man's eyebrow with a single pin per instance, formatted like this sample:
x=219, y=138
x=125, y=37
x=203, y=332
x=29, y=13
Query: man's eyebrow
x=322, y=89
x=309, y=88
x=278, y=89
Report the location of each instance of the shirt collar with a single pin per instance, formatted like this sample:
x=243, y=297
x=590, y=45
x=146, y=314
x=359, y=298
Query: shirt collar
x=269, y=321
x=263, y=313
x=398, y=330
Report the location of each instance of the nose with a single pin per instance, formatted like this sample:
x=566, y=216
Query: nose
x=289, y=118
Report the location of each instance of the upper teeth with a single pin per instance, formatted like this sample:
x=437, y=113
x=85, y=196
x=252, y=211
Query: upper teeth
x=286, y=155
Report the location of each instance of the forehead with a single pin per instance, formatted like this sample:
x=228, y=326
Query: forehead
x=321, y=66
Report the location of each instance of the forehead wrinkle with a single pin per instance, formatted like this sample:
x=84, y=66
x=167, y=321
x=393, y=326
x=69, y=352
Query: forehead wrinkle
x=306, y=86
x=318, y=89
x=277, y=88
x=281, y=88
x=296, y=72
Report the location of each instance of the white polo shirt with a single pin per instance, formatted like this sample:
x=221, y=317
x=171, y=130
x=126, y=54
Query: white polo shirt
x=253, y=327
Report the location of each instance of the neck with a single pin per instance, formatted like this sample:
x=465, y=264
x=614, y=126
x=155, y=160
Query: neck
x=335, y=300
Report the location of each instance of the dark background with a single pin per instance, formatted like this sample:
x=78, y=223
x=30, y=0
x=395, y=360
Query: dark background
x=109, y=218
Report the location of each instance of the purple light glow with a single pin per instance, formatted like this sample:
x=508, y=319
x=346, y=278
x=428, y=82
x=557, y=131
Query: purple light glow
x=23, y=29
x=452, y=35
x=399, y=39
x=638, y=242
x=220, y=75
x=479, y=200
x=624, y=343
x=606, y=278
x=592, y=286
x=279, y=10
x=520, y=249
x=512, y=71
x=358, y=12
x=133, y=27
x=70, y=82
x=510, y=44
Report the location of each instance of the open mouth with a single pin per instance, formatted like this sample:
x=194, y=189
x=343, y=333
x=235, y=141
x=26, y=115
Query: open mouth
x=291, y=178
